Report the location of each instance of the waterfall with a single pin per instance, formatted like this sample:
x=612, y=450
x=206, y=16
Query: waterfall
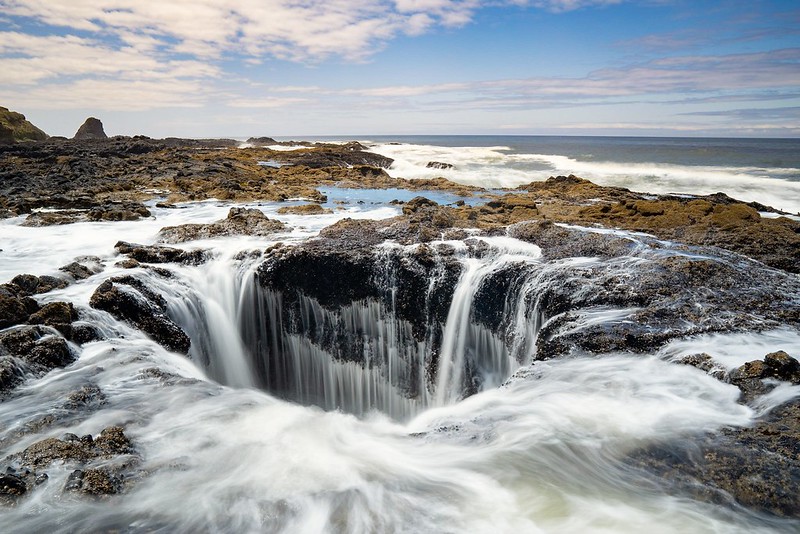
x=362, y=356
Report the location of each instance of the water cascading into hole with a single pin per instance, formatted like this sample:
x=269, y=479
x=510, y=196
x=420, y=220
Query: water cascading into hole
x=361, y=356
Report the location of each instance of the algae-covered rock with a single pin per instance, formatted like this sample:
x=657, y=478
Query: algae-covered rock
x=240, y=221
x=14, y=127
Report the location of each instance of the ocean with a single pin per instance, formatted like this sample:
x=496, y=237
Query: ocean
x=753, y=170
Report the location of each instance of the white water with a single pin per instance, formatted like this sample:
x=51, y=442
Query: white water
x=545, y=453
x=497, y=166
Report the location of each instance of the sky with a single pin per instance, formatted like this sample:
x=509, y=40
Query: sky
x=239, y=68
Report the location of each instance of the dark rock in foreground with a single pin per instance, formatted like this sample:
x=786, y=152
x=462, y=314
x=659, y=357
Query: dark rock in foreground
x=28, y=468
x=160, y=254
x=129, y=299
x=30, y=350
x=757, y=467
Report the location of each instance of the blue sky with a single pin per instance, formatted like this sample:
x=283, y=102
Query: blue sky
x=202, y=68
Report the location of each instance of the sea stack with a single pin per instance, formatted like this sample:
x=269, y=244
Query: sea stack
x=91, y=129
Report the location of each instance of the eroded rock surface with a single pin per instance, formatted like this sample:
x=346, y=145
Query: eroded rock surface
x=240, y=221
x=129, y=299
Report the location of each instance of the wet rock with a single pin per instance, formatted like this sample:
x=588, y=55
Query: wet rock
x=28, y=284
x=354, y=233
x=240, y=221
x=12, y=486
x=49, y=353
x=160, y=254
x=30, y=351
x=86, y=397
x=11, y=374
x=749, y=378
x=92, y=128
x=12, y=311
x=704, y=362
x=83, y=268
x=756, y=466
x=439, y=165
x=83, y=332
x=305, y=209
x=111, y=448
x=128, y=299
x=111, y=442
x=418, y=203
x=53, y=218
x=263, y=141
x=55, y=314
x=782, y=366
x=118, y=211
x=93, y=482
x=558, y=242
x=333, y=156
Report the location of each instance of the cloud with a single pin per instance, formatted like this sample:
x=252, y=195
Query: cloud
x=307, y=31
x=110, y=95
x=266, y=102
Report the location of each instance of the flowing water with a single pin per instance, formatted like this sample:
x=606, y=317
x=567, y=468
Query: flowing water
x=261, y=430
x=760, y=170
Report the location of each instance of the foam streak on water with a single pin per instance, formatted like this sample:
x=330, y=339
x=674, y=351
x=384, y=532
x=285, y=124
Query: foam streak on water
x=764, y=171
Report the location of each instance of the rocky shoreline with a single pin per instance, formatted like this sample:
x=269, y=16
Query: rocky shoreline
x=708, y=264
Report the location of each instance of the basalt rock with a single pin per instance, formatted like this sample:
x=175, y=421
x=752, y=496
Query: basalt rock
x=92, y=128
x=305, y=209
x=317, y=158
x=439, y=165
x=263, y=141
x=657, y=293
x=129, y=299
x=30, y=351
x=756, y=466
x=160, y=254
x=28, y=468
x=240, y=221
x=83, y=267
x=28, y=284
x=14, y=127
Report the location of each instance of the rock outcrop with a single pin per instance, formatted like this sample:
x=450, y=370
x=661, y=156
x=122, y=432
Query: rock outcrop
x=14, y=128
x=101, y=461
x=240, y=221
x=92, y=128
x=757, y=466
x=129, y=299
